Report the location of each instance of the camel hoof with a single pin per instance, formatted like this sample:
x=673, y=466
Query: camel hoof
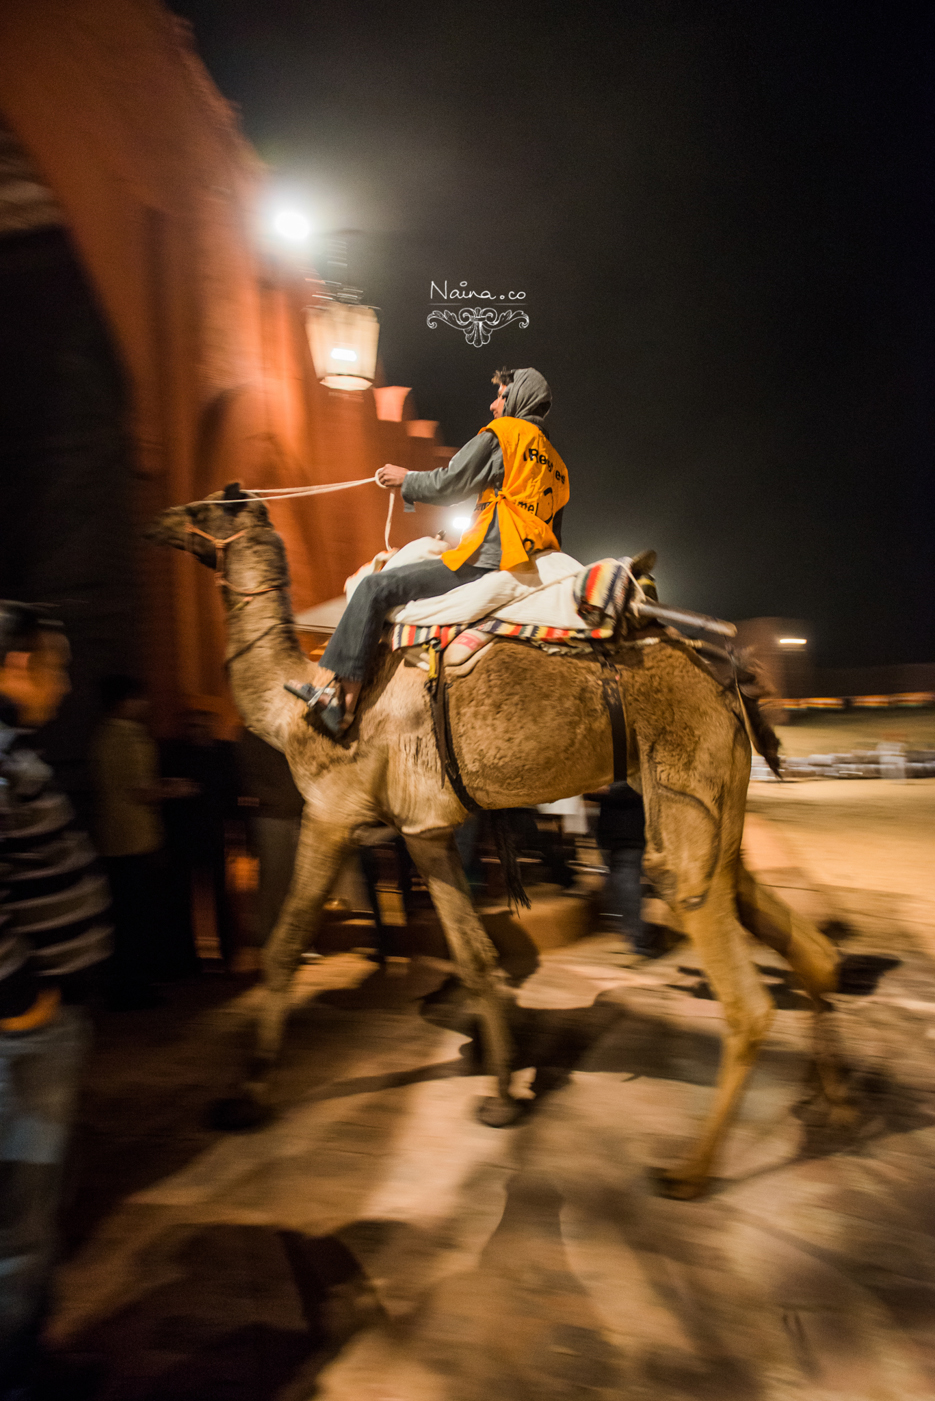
x=819, y=1112
x=239, y=1114
x=498, y=1113
x=670, y=1183
x=844, y=1116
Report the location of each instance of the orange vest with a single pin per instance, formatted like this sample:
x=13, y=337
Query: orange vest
x=535, y=488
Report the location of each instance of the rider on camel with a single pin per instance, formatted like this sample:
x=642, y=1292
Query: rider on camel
x=522, y=488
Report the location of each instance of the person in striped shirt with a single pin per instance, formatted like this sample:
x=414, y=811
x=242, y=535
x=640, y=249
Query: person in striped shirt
x=54, y=926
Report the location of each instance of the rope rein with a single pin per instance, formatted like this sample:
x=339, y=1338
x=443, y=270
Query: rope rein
x=276, y=494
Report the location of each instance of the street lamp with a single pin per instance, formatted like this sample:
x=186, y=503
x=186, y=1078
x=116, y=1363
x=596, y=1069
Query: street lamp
x=342, y=332
x=342, y=337
x=292, y=225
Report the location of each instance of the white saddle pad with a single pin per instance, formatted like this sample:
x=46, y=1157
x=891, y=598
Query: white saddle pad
x=542, y=592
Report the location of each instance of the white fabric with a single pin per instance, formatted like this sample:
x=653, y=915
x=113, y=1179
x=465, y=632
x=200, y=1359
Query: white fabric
x=541, y=592
x=572, y=811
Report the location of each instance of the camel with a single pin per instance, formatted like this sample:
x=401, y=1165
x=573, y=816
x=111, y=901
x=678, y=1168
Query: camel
x=529, y=727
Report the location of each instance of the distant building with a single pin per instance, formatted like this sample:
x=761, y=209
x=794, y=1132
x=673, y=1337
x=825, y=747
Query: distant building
x=782, y=647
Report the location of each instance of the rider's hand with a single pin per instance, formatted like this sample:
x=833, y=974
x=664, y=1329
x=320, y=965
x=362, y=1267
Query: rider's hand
x=391, y=476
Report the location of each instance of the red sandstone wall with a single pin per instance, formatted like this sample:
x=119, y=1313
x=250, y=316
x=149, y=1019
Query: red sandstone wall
x=160, y=190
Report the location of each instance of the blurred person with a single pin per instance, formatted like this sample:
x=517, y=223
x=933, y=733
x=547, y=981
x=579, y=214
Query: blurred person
x=621, y=836
x=130, y=837
x=275, y=808
x=54, y=928
x=196, y=847
x=370, y=865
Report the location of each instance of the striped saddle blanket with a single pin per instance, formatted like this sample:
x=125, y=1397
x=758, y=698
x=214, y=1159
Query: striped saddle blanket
x=555, y=600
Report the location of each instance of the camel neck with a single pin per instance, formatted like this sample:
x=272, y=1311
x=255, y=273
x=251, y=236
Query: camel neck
x=262, y=650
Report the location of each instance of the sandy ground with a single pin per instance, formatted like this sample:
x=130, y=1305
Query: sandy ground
x=861, y=839
x=376, y=1243
x=814, y=733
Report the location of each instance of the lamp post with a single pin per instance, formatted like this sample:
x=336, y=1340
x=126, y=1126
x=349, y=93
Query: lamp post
x=342, y=336
x=343, y=332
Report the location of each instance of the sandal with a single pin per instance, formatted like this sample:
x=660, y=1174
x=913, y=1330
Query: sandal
x=323, y=706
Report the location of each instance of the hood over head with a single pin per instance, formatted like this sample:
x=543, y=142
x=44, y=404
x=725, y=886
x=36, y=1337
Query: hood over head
x=529, y=396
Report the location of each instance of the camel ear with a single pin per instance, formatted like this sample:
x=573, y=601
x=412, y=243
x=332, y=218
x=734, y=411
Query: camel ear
x=643, y=563
x=235, y=497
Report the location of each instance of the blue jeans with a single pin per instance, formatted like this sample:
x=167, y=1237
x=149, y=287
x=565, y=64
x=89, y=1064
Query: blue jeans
x=38, y=1084
x=351, y=651
x=622, y=895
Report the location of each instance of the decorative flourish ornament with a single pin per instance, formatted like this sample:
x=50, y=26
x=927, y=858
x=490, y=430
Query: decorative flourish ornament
x=477, y=322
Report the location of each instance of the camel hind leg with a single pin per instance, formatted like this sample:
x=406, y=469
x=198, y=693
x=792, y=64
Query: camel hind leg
x=723, y=949
x=695, y=796
x=815, y=962
x=439, y=864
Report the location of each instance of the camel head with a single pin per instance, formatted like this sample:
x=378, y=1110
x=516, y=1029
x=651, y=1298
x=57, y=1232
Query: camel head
x=219, y=516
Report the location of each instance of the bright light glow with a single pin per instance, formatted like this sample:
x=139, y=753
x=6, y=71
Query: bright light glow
x=292, y=225
x=793, y=641
x=340, y=354
x=461, y=522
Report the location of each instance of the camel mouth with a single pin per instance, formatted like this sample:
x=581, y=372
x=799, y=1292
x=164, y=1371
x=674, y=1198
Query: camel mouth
x=164, y=528
x=155, y=530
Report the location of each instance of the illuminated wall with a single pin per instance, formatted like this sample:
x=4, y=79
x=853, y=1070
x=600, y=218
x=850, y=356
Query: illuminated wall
x=160, y=191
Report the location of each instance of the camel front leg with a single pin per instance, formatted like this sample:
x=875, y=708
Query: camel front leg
x=722, y=946
x=439, y=865
x=321, y=850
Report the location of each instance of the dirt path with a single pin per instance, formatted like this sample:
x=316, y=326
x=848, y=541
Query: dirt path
x=865, y=843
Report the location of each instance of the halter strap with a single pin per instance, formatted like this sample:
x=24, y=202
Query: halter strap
x=219, y=578
x=218, y=544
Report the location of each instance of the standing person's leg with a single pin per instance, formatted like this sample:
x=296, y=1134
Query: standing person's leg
x=38, y=1082
x=177, y=954
x=370, y=866
x=404, y=873
x=225, y=923
x=554, y=847
x=276, y=840
x=130, y=966
x=467, y=837
x=624, y=894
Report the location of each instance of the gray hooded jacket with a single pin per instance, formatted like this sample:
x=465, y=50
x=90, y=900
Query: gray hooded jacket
x=479, y=464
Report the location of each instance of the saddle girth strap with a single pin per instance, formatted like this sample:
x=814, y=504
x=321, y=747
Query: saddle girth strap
x=610, y=686
x=437, y=687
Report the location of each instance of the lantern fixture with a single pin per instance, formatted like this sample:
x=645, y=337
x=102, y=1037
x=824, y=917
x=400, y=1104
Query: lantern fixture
x=342, y=332
x=342, y=337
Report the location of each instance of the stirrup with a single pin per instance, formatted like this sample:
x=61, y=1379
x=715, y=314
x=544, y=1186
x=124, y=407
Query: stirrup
x=323, y=708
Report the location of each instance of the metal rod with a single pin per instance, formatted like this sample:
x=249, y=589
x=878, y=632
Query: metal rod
x=682, y=617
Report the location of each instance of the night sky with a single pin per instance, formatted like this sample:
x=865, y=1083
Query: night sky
x=721, y=215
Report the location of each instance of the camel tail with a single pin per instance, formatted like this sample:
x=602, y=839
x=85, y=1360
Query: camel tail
x=762, y=735
x=508, y=855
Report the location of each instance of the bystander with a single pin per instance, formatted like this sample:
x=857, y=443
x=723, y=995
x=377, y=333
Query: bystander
x=195, y=827
x=621, y=837
x=54, y=928
x=129, y=834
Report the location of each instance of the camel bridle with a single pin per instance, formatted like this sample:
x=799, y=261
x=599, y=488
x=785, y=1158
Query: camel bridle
x=245, y=594
x=220, y=578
